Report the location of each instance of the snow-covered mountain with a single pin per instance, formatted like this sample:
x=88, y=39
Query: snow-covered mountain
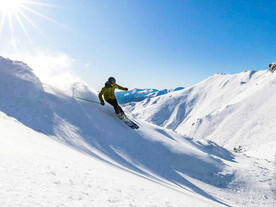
x=136, y=95
x=57, y=151
x=231, y=110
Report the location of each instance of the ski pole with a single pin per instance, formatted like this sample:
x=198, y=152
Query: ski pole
x=88, y=100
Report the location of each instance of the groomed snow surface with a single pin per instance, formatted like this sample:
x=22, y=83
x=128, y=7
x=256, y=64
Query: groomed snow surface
x=57, y=151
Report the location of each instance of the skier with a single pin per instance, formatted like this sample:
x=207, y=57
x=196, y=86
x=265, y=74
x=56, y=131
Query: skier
x=109, y=96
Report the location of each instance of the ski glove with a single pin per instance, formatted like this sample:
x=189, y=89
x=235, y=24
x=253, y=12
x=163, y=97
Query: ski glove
x=102, y=103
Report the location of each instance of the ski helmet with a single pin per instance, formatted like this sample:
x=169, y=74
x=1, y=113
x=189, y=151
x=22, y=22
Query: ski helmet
x=111, y=80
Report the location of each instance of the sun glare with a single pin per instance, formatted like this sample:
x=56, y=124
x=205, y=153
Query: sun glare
x=19, y=10
x=9, y=6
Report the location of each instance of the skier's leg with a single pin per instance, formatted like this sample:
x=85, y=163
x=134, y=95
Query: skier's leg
x=118, y=107
x=114, y=103
x=121, y=110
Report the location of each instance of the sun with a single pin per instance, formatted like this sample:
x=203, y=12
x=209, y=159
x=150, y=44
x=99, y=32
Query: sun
x=10, y=6
x=18, y=10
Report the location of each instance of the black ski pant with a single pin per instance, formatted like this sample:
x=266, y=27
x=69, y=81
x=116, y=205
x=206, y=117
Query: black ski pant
x=116, y=106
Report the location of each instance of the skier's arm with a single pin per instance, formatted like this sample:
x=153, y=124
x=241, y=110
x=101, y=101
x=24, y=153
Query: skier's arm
x=121, y=88
x=101, y=94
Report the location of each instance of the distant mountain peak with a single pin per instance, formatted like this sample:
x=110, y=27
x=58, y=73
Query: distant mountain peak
x=136, y=95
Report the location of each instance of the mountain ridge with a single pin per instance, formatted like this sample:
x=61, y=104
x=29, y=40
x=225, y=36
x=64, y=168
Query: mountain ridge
x=202, y=110
x=42, y=128
x=136, y=95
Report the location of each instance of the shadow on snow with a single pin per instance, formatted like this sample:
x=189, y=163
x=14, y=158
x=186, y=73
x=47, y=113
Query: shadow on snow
x=75, y=123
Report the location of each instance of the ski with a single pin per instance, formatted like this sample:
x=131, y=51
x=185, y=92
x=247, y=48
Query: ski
x=130, y=123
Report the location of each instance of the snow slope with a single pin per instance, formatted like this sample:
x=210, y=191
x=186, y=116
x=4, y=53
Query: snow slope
x=231, y=110
x=57, y=151
x=37, y=171
x=135, y=95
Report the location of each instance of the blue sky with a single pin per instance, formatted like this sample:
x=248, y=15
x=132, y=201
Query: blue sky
x=151, y=44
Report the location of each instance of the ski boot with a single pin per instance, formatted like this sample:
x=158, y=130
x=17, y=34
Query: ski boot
x=120, y=115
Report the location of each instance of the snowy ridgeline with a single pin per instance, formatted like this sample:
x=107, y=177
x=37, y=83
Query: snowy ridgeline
x=136, y=95
x=57, y=151
x=232, y=110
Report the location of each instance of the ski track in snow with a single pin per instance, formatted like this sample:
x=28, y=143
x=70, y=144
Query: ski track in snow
x=56, y=151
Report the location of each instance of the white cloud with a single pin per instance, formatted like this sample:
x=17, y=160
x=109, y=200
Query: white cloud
x=51, y=67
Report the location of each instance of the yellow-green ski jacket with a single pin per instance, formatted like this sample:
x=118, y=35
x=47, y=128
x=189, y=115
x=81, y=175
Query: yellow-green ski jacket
x=109, y=92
